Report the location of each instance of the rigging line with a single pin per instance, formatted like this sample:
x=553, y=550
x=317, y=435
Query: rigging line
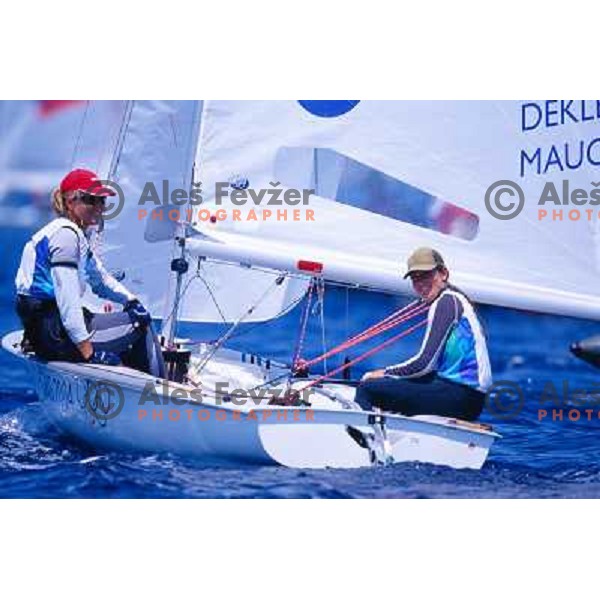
x=252, y=327
x=406, y=313
x=118, y=151
x=303, y=323
x=362, y=357
x=184, y=291
x=321, y=294
x=80, y=134
x=228, y=334
x=270, y=382
x=328, y=282
x=213, y=297
x=282, y=312
x=237, y=265
x=110, y=135
x=347, y=327
x=370, y=334
x=176, y=143
x=116, y=157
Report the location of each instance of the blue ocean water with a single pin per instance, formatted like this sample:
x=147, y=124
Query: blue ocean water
x=535, y=458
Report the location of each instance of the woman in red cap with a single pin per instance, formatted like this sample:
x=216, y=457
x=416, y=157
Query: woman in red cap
x=56, y=265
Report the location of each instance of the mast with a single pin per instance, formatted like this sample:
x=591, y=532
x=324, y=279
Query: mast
x=180, y=265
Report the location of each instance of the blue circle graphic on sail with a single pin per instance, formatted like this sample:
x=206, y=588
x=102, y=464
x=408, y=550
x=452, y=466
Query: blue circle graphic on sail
x=328, y=108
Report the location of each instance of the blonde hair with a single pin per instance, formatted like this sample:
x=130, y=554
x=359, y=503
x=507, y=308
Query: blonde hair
x=59, y=202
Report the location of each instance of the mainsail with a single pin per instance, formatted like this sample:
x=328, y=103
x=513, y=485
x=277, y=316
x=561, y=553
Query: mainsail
x=433, y=154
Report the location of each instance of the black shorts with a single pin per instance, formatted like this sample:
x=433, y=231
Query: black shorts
x=46, y=335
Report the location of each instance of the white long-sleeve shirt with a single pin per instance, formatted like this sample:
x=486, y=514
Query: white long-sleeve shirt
x=57, y=263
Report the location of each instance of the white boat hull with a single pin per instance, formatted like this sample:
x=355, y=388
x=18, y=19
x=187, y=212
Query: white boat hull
x=119, y=408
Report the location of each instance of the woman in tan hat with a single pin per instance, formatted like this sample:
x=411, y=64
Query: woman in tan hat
x=56, y=265
x=450, y=374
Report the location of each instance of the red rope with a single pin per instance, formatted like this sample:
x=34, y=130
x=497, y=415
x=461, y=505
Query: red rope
x=404, y=314
x=363, y=356
x=381, y=328
x=399, y=313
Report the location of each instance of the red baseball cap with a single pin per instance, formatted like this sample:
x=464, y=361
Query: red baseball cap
x=82, y=180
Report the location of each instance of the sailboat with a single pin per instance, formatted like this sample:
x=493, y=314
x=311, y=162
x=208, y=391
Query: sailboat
x=40, y=140
x=386, y=177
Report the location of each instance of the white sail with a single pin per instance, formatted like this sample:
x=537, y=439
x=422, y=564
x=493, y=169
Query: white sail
x=154, y=145
x=41, y=140
x=431, y=154
x=156, y=148
x=158, y=145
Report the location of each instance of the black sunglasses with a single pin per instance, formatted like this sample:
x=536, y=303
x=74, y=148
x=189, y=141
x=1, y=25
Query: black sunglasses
x=91, y=200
